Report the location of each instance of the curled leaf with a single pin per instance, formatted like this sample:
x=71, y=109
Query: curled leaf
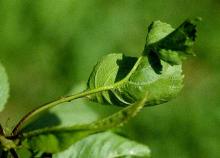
x=142, y=79
x=157, y=71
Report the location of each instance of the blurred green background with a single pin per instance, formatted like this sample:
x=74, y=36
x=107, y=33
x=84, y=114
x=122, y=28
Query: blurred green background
x=47, y=47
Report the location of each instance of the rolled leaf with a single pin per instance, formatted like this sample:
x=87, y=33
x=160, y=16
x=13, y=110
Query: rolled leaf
x=161, y=87
x=157, y=71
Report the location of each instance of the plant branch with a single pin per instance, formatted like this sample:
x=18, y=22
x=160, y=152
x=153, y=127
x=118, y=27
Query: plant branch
x=117, y=119
x=47, y=106
x=71, y=98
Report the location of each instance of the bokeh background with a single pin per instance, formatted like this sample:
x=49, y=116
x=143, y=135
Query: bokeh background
x=47, y=47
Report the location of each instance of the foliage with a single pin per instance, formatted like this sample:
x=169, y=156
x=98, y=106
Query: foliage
x=133, y=82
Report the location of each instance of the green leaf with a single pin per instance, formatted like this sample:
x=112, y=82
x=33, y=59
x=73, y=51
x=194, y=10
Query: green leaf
x=107, y=145
x=55, y=139
x=4, y=87
x=110, y=69
x=134, y=84
x=171, y=45
x=160, y=87
x=157, y=71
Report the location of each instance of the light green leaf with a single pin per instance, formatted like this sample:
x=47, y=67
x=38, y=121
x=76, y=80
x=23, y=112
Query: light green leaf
x=105, y=145
x=157, y=71
x=141, y=79
x=110, y=69
x=160, y=87
x=4, y=87
x=55, y=139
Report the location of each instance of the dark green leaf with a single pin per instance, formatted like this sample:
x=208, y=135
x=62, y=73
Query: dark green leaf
x=171, y=45
x=4, y=87
x=105, y=145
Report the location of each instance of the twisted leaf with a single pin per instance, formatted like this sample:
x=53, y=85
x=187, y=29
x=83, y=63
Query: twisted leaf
x=157, y=71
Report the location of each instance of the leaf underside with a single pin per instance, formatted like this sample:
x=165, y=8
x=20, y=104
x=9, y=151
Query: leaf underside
x=160, y=87
x=157, y=71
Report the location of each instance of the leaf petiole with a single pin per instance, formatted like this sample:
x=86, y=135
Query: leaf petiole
x=47, y=106
x=85, y=93
x=117, y=119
